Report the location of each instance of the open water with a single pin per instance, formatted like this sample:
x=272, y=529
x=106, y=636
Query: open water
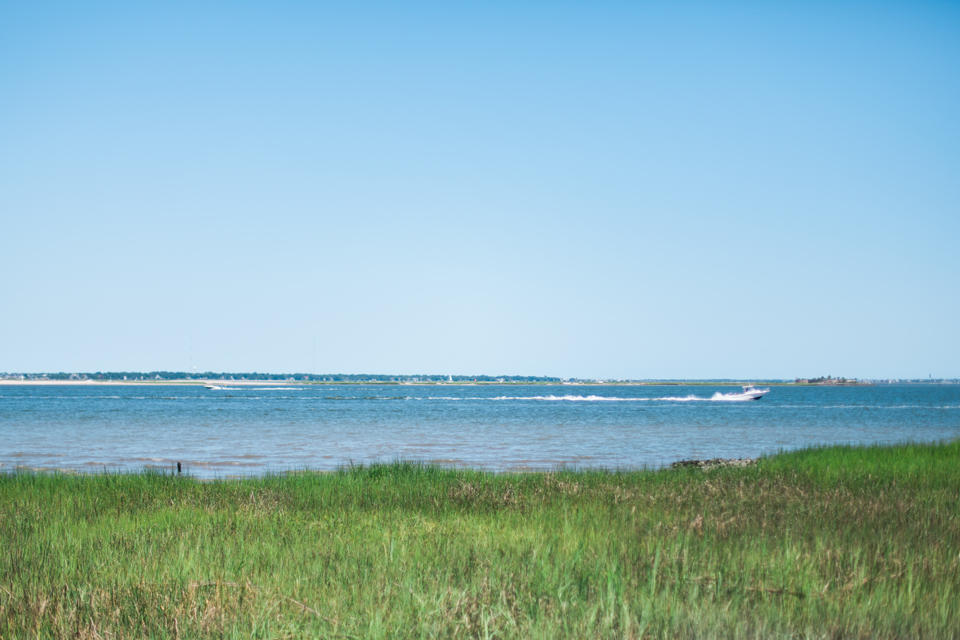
x=264, y=429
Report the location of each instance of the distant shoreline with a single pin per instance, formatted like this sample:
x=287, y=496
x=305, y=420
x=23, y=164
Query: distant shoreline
x=302, y=383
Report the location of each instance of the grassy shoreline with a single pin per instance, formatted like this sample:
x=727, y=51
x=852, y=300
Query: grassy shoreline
x=827, y=542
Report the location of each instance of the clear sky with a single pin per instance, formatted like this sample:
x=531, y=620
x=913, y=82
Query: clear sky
x=589, y=189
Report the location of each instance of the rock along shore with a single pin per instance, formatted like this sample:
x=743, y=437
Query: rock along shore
x=714, y=463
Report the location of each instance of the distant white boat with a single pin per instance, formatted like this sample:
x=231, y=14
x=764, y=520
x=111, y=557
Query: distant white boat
x=211, y=386
x=750, y=392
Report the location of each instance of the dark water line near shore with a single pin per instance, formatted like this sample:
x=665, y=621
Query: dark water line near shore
x=251, y=431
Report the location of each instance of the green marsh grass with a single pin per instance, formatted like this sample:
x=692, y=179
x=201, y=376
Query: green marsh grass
x=840, y=542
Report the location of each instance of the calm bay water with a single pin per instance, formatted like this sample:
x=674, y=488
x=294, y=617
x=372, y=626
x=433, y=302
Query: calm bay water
x=253, y=430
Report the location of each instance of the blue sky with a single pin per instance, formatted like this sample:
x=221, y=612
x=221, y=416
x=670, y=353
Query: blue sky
x=618, y=190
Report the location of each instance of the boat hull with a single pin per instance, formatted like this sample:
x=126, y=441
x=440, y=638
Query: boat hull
x=748, y=393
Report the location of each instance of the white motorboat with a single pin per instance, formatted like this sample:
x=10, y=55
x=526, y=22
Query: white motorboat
x=211, y=386
x=750, y=392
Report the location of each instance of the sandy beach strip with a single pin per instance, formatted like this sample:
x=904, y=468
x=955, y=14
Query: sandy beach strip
x=85, y=383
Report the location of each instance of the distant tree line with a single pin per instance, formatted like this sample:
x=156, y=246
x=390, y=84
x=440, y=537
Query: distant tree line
x=826, y=380
x=304, y=377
